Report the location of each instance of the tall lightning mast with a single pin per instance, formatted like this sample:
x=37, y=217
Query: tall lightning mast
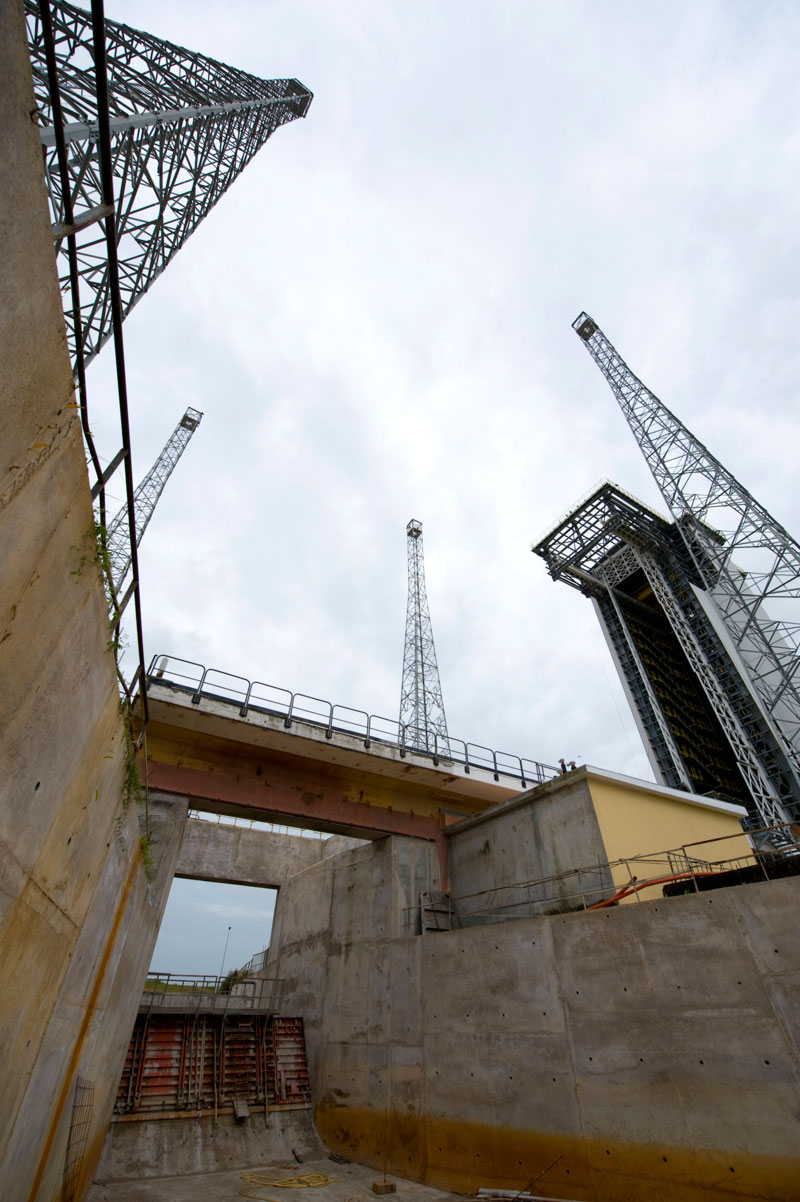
x=745, y=559
x=182, y=128
x=422, y=721
x=146, y=497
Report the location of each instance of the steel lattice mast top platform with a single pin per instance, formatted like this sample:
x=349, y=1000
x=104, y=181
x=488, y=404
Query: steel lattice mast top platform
x=182, y=128
x=146, y=496
x=744, y=558
x=422, y=721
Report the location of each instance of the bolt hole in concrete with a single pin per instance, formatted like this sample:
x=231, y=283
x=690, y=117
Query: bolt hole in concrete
x=37, y=785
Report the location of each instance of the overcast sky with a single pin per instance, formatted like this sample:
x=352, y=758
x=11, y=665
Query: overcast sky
x=376, y=323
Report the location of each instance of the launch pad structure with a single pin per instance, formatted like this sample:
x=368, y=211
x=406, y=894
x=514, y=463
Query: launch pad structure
x=487, y=990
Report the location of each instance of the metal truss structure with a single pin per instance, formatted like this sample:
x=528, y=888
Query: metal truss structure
x=744, y=558
x=422, y=721
x=702, y=724
x=656, y=588
x=146, y=497
x=181, y=128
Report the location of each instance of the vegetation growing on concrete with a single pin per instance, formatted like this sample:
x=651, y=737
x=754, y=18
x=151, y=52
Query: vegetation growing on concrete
x=133, y=787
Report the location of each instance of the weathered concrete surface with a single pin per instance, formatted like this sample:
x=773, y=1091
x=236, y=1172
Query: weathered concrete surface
x=235, y=855
x=583, y=819
x=348, y=1183
x=76, y=919
x=652, y=1048
x=357, y=902
x=139, y=1149
x=541, y=833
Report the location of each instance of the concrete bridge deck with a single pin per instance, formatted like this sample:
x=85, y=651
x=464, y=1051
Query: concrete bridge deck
x=251, y=761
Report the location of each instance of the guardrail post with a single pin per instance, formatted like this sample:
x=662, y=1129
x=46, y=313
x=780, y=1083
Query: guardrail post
x=243, y=710
x=287, y=722
x=329, y=731
x=199, y=692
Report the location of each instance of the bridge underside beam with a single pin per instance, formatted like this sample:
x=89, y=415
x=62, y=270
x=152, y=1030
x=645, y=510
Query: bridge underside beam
x=313, y=803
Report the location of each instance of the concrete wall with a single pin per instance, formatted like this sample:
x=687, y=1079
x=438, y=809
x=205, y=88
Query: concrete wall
x=77, y=919
x=138, y=1149
x=583, y=819
x=652, y=1049
x=710, y=830
x=544, y=832
x=380, y=885
x=216, y=851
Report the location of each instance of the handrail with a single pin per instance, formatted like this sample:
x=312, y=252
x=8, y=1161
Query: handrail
x=603, y=874
x=389, y=733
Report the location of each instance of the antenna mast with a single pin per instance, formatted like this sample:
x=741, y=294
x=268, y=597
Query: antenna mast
x=743, y=556
x=182, y=128
x=146, y=497
x=422, y=722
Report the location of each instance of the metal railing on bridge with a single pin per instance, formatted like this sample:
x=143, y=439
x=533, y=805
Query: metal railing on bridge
x=336, y=720
x=233, y=994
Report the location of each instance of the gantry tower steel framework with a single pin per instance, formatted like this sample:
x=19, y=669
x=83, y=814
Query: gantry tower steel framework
x=711, y=574
x=182, y=127
x=146, y=497
x=422, y=720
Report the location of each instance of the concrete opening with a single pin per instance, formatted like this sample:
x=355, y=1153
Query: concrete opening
x=211, y=928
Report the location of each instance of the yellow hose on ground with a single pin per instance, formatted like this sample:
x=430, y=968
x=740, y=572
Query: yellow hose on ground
x=306, y=1181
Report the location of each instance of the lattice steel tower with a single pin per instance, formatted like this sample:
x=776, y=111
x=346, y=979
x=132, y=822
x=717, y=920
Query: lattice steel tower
x=182, y=128
x=727, y=560
x=422, y=721
x=146, y=497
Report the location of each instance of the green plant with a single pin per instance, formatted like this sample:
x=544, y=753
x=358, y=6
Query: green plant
x=147, y=858
x=233, y=978
x=132, y=784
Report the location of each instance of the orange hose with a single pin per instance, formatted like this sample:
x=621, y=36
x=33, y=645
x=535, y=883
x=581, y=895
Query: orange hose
x=631, y=887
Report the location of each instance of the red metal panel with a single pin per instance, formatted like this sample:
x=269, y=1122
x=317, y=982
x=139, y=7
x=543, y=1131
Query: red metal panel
x=192, y=1062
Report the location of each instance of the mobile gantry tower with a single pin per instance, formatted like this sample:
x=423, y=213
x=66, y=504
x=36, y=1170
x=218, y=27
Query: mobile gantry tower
x=711, y=674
